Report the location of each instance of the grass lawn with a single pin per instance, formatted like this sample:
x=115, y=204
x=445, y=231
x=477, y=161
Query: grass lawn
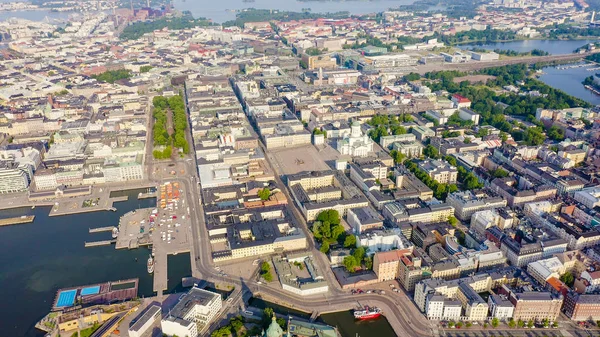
x=87, y=332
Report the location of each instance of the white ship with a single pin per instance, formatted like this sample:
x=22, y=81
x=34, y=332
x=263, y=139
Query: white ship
x=150, y=265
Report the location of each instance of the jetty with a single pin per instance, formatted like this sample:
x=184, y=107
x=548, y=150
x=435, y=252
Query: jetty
x=17, y=220
x=99, y=243
x=102, y=229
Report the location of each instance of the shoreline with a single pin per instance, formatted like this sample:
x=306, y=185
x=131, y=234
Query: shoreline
x=59, y=206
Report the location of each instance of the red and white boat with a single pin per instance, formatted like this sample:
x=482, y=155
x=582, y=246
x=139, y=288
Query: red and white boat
x=367, y=313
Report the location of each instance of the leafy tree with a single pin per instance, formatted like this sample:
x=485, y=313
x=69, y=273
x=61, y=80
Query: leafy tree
x=451, y=324
x=377, y=133
x=111, y=76
x=530, y=323
x=495, y=322
x=317, y=131
x=267, y=317
x=520, y=323
x=145, y=69
x=397, y=156
x=282, y=323
x=221, y=332
x=459, y=325
x=350, y=263
x=555, y=324
x=312, y=51
x=431, y=152
x=471, y=182
x=398, y=130
x=236, y=324
x=512, y=323
x=534, y=136
x=368, y=262
x=482, y=132
x=359, y=253
x=324, y=247
x=499, y=173
x=350, y=241
x=452, y=221
x=330, y=215
x=265, y=267
x=264, y=194
x=568, y=279
x=468, y=324
x=412, y=77
x=451, y=160
x=556, y=133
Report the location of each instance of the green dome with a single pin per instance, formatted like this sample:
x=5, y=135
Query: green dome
x=274, y=330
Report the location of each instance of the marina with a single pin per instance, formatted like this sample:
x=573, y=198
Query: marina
x=17, y=220
x=164, y=230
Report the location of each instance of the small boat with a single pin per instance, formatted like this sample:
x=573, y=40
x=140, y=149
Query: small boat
x=367, y=313
x=150, y=265
x=33, y=207
x=115, y=232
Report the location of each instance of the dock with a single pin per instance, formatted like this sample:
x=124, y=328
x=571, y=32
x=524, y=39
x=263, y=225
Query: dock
x=99, y=243
x=101, y=229
x=17, y=220
x=160, y=273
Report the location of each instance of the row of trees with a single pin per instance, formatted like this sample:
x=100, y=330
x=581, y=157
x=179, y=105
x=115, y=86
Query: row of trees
x=176, y=106
x=159, y=131
x=487, y=35
x=533, y=52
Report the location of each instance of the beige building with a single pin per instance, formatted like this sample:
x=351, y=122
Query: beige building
x=439, y=171
x=536, y=306
x=319, y=61
x=385, y=264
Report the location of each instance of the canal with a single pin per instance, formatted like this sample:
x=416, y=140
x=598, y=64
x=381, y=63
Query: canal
x=38, y=258
x=344, y=321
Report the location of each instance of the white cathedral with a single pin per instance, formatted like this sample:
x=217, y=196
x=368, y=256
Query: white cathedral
x=355, y=144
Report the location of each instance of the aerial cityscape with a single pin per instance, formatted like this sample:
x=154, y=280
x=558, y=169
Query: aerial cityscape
x=301, y=168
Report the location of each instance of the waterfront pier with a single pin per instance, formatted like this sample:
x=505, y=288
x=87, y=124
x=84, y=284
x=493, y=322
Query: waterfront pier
x=101, y=229
x=17, y=220
x=99, y=243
